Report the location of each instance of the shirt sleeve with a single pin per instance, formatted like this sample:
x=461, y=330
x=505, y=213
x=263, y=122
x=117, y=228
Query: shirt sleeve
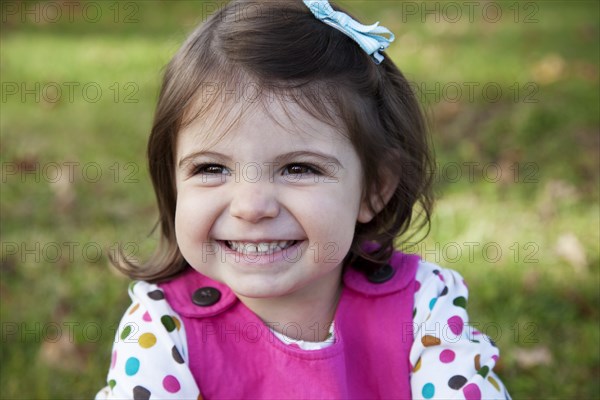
x=450, y=359
x=149, y=355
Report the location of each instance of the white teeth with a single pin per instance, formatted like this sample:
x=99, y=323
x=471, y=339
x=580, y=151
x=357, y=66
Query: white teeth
x=259, y=248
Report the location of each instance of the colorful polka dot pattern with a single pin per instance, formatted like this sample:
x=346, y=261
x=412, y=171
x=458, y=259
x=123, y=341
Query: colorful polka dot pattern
x=428, y=390
x=171, y=384
x=449, y=357
x=138, y=354
x=132, y=366
x=176, y=356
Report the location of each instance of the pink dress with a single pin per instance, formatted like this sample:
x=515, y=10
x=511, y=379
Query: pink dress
x=403, y=337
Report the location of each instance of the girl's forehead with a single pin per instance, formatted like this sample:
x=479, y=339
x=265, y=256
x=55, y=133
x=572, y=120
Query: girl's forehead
x=224, y=123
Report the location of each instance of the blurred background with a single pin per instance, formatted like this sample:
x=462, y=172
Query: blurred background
x=511, y=90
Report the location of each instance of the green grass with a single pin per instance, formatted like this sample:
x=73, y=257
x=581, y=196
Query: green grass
x=539, y=296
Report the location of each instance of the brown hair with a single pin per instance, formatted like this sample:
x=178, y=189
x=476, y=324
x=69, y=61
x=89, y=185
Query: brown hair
x=281, y=48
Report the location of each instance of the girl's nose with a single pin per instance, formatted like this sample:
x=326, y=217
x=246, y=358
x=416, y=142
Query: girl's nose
x=254, y=201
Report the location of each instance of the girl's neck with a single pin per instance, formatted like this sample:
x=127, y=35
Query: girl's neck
x=304, y=315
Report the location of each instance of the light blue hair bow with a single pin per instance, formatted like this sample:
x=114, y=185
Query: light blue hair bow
x=368, y=37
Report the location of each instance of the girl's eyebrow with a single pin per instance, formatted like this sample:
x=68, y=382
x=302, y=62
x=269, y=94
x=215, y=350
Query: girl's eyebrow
x=323, y=157
x=280, y=159
x=211, y=154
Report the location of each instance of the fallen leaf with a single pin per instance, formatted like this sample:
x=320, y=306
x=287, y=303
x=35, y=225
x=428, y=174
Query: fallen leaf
x=549, y=69
x=570, y=249
x=532, y=357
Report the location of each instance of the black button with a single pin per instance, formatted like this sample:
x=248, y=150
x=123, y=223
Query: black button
x=156, y=294
x=206, y=296
x=382, y=274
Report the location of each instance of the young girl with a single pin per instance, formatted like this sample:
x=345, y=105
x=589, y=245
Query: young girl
x=287, y=155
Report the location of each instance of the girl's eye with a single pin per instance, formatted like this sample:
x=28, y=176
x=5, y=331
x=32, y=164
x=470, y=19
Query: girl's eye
x=300, y=169
x=210, y=169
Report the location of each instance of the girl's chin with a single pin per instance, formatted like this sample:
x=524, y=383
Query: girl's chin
x=263, y=294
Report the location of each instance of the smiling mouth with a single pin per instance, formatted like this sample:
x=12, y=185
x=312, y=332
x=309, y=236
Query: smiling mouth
x=259, y=248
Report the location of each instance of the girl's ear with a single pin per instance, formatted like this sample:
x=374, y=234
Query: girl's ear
x=374, y=202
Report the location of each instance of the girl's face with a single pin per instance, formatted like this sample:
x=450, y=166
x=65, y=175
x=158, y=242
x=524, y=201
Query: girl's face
x=270, y=208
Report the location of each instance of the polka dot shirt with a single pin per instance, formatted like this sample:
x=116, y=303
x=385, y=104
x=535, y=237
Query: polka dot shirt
x=449, y=358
